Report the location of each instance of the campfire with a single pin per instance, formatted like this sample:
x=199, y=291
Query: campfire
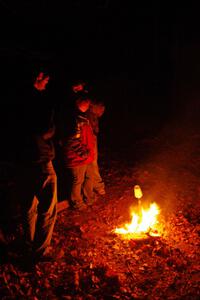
x=144, y=221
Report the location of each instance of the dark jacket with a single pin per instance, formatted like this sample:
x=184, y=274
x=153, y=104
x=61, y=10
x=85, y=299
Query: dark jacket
x=36, y=129
x=94, y=121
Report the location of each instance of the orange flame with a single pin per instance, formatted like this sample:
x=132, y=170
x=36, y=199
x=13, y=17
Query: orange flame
x=142, y=223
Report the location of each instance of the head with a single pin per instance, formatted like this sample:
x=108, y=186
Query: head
x=79, y=86
x=83, y=104
x=41, y=81
x=97, y=108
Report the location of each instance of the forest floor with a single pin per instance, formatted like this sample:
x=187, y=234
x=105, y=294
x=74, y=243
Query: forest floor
x=95, y=262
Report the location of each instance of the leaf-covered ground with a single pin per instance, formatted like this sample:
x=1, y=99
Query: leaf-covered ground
x=95, y=263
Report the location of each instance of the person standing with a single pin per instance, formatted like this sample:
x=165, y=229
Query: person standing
x=36, y=182
x=78, y=144
x=95, y=112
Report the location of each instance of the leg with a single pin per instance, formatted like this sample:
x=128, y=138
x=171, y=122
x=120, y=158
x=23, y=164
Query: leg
x=78, y=175
x=88, y=185
x=98, y=183
x=26, y=183
x=47, y=212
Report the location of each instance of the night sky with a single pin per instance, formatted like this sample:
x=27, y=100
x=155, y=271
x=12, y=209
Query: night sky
x=142, y=60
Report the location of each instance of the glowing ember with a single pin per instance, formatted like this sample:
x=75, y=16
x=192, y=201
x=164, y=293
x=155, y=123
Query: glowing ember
x=142, y=223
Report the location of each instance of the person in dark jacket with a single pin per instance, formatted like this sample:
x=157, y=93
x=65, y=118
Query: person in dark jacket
x=95, y=112
x=36, y=180
x=78, y=154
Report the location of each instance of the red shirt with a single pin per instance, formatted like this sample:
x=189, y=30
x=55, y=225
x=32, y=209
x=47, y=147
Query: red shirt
x=79, y=148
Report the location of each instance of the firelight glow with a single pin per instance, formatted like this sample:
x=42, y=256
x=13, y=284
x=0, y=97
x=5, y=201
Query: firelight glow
x=142, y=223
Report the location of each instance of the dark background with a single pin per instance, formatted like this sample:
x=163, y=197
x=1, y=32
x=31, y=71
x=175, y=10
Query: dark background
x=141, y=59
